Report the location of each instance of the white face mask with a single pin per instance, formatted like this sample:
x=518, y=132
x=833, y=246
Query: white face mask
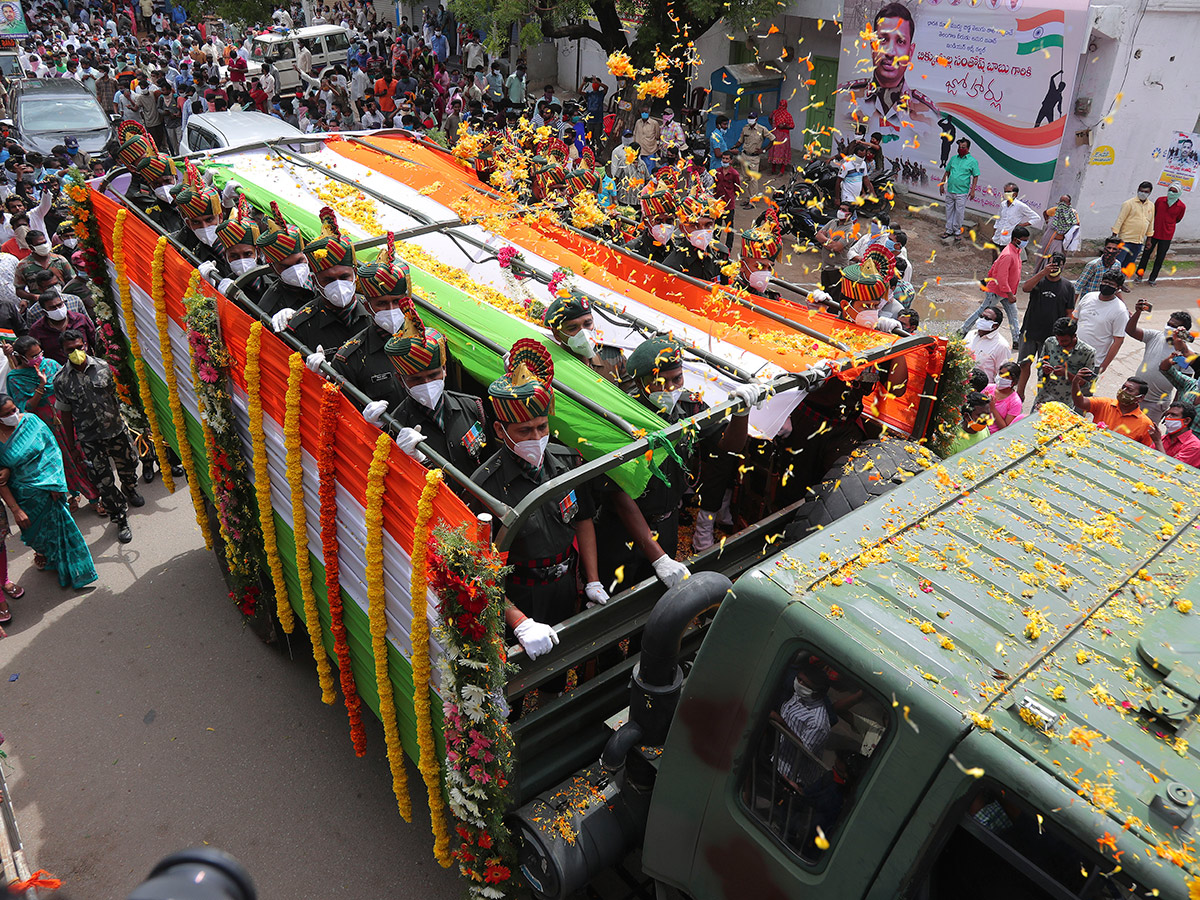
x=206, y=235
x=700, y=238
x=867, y=318
x=803, y=691
x=1003, y=383
x=842, y=215
x=390, y=320
x=20, y=231
x=42, y=249
x=1143, y=195
x=242, y=266
x=665, y=400
x=582, y=344
x=986, y=326
x=759, y=279
x=57, y=314
x=429, y=393
x=339, y=293
x=662, y=233
x=70, y=241
x=532, y=451
x=163, y=193
x=1169, y=332
x=1172, y=425
x=10, y=421
x=296, y=276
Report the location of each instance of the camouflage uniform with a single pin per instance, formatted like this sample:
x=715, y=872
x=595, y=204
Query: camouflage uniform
x=89, y=395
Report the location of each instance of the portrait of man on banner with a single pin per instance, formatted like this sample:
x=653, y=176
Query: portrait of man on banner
x=886, y=100
x=12, y=18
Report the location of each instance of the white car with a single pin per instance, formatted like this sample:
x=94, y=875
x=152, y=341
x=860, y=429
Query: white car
x=216, y=131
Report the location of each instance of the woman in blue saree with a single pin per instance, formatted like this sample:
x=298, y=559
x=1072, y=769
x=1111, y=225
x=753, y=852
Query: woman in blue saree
x=34, y=487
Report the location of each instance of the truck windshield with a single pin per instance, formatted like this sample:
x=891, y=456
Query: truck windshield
x=61, y=114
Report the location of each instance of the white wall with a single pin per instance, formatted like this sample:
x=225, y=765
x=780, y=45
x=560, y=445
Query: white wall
x=1151, y=65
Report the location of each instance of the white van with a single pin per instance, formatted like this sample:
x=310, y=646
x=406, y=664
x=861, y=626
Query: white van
x=278, y=47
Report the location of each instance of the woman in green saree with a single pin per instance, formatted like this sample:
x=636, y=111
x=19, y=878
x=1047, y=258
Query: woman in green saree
x=34, y=487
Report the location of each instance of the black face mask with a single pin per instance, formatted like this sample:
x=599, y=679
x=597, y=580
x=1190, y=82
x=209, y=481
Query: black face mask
x=1107, y=290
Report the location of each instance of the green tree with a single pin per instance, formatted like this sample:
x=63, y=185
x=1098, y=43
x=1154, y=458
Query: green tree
x=246, y=11
x=669, y=25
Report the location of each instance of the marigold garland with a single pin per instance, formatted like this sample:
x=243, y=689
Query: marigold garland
x=431, y=769
x=262, y=476
x=326, y=468
x=376, y=614
x=160, y=446
x=158, y=296
x=295, y=477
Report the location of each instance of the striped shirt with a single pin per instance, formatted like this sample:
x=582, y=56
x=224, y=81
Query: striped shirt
x=809, y=721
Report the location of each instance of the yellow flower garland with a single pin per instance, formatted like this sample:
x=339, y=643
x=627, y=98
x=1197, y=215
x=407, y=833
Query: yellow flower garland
x=262, y=478
x=160, y=446
x=186, y=458
x=295, y=477
x=376, y=606
x=431, y=769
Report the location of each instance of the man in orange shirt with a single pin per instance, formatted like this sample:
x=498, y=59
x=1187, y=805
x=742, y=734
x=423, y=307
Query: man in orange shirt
x=1123, y=415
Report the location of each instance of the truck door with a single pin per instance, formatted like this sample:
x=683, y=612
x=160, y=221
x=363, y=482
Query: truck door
x=283, y=61
x=800, y=783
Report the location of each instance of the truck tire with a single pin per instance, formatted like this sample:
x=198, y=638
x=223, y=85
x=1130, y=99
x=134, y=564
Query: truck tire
x=871, y=470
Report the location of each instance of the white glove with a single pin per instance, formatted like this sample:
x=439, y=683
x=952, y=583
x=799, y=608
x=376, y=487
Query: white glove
x=208, y=271
x=229, y=192
x=669, y=571
x=889, y=326
x=407, y=440
x=225, y=285
x=595, y=593
x=280, y=320
x=373, y=411
x=820, y=373
x=819, y=296
x=535, y=637
x=315, y=359
x=752, y=395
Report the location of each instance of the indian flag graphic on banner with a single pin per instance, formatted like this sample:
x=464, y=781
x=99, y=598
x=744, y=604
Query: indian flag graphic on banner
x=1040, y=31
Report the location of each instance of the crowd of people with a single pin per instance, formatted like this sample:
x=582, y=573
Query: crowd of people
x=649, y=183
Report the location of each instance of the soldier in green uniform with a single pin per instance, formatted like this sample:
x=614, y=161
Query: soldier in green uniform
x=335, y=316
x=290, y=286
x=238, y=234
x=543, y=588
x=85, y=396
x=153, y=176
x=569, y=318
x=200, y=206
x=384, y=287
x=760, y=249
x=658, y=226
x=697, y=254
x=651, y=520
x=450, y=422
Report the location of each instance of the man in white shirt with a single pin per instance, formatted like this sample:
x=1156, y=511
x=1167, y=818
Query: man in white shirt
x=304, y=60
x=1013, y=212
x=984, y=343
x=1102, y=317
x=852, y=174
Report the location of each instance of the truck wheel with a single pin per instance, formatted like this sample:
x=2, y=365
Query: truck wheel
x=871, y=470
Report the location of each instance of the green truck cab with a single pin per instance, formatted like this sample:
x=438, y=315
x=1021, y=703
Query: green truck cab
x=983, y=683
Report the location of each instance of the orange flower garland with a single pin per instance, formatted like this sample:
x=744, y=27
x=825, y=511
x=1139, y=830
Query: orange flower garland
x=295, y=477
x=377, y=616
x=329, y=547
x=430, y=767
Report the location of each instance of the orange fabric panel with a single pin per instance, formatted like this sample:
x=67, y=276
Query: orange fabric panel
x=356, y=439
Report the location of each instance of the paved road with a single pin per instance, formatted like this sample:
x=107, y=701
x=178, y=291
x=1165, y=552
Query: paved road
x=147, y=719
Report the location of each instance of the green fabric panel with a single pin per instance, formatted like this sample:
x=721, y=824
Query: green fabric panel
x=573, y=425
x=358, y=630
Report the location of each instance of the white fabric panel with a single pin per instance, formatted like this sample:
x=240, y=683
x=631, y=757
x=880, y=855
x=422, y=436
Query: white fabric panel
x=352, y=529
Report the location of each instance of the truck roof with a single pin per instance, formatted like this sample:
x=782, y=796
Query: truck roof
x=305, y=32
x=1040, y=586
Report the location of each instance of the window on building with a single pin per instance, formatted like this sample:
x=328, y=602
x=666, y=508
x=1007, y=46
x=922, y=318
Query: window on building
x=811, y=754
x=1003, y=848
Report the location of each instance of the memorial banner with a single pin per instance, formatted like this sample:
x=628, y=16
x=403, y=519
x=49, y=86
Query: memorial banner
x=997, y=72
x=1180, y=160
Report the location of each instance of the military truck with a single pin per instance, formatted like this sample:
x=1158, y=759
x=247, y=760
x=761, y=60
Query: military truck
x=982, y=683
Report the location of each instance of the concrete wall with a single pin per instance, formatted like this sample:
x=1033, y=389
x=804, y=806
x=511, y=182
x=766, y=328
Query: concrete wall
x=1148, y=58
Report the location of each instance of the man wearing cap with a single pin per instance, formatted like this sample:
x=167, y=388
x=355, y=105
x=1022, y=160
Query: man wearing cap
x=543, y=587
x=651, y=520
x=238, y=234
x=760, y=249
x=570, y=320
x=153, y=176
x=333, y=317
x=78, y=157
x=658, y=225
x=697, y=255
x=451, y=423
x=289, y=287
x=200, y=206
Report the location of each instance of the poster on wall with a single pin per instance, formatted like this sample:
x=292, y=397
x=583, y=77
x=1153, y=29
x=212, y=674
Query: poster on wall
x=1179, y=158
x=12, y=18
x=997, y=72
